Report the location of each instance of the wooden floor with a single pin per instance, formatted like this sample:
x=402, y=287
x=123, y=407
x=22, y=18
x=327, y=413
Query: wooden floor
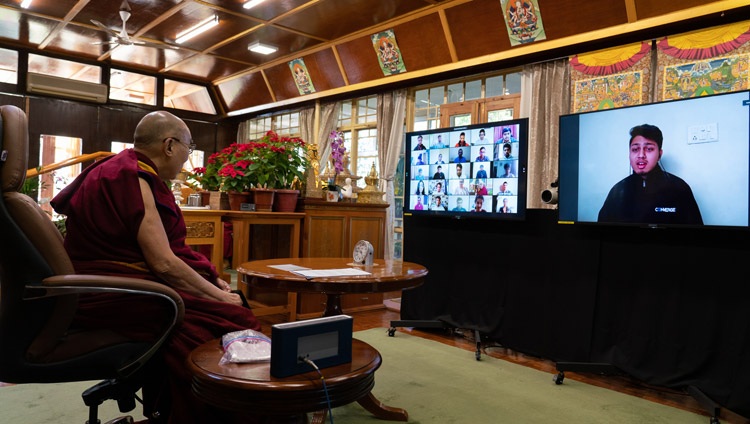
x=465, y=339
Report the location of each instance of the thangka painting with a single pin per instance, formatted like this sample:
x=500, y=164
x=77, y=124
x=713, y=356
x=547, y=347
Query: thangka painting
x=523, y=21
x=704, y=77
x=301, y=76
x=608, y=92
x=389, y=55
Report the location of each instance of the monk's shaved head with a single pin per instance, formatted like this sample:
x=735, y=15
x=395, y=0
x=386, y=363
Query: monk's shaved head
x=156, y=126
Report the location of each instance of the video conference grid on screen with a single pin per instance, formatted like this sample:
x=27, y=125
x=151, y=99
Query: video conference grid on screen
x=471, y=169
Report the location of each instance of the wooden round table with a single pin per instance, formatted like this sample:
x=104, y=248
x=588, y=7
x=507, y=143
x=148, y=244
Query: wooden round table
x=384, y=276
x=250, y=388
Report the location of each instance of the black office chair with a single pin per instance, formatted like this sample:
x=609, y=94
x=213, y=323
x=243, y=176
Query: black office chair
x=39, y=295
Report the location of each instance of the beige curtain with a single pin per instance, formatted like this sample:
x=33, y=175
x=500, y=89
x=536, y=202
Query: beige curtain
x=243, y=132
x=549, y=86
x=391, y=113
x=325, y=122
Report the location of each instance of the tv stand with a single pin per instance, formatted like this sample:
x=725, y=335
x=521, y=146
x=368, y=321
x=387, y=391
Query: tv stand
x=416, y=323
x=588, y=367
x=707, y=403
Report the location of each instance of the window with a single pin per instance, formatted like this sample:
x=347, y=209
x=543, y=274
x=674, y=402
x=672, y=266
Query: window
x=285, y=123
x=64, y=69
x=428, y=99
x=358, y=123
x=8, y=66
x=132, y=87
x=54, y=149
x=185, y=96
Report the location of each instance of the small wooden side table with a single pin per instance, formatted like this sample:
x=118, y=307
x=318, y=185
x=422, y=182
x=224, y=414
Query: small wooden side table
x=251, y=388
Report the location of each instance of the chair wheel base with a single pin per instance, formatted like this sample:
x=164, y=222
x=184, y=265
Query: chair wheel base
x=121, y=420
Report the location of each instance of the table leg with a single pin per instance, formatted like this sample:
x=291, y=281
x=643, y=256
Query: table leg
x=382, y=411
x=319, y=417
x=333, y=305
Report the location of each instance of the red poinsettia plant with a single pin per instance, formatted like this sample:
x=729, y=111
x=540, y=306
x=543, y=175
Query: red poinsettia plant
x=272, y=161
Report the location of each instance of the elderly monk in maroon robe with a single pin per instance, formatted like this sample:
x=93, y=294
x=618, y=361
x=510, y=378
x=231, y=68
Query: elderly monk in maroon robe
x=122, y=220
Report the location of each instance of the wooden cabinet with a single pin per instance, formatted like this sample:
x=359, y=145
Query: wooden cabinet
x=204, y=228
x=331, y=229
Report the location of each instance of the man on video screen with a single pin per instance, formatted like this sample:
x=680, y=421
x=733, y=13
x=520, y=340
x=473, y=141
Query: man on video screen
x=650, y=194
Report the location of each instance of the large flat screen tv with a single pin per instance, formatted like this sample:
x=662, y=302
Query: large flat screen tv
x=698, y=177
x=470, y=171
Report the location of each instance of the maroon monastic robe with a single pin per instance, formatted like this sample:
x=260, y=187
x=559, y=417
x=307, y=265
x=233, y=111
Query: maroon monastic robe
x=104, y=210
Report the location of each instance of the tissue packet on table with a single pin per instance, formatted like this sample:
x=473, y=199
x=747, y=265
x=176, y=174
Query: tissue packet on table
x=245, y=346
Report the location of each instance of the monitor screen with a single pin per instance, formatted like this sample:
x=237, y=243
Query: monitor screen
x=469, y=171
x=674, y=163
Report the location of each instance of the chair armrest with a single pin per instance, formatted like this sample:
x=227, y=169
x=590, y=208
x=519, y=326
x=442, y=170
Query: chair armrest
x=59, y=285
x=74, y=284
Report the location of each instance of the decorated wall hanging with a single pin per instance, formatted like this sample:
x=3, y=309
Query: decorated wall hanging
x=610, y=78
x=301, y=76
x=389, y=55
x=523, y=21
x=700, y=63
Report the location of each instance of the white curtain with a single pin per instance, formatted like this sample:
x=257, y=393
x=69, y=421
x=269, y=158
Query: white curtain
x=549, y=86
x=390, y=115
x=328, y=116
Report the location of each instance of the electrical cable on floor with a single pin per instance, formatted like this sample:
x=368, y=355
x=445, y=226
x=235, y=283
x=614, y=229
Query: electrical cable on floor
x=309, y=361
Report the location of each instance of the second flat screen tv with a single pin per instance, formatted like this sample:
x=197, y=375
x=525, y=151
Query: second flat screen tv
x=699, y=178
x=475, y=171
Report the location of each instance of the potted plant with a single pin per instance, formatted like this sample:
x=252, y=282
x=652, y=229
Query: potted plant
x=236, y=179
x=270, y=163
x=205, y=178
x=338, y=150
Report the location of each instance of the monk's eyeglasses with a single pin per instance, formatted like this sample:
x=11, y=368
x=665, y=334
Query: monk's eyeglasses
x=190, y=146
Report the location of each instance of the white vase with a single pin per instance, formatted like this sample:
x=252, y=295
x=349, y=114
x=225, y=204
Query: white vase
x=332, y=196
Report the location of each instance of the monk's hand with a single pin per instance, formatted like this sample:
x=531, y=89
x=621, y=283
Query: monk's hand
x=234, y=299
x=223, y=285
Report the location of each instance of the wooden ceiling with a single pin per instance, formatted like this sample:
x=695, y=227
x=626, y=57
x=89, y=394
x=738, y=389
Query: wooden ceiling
x=436, y=38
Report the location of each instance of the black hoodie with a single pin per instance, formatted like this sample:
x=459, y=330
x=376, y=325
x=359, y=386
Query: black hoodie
x=661, y=198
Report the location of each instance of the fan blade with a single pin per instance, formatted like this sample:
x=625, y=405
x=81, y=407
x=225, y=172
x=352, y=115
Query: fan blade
x=105, y=28
x=156, y=45
x=106, y=43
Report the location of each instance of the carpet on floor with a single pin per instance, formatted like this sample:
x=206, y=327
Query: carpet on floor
x=434, y=382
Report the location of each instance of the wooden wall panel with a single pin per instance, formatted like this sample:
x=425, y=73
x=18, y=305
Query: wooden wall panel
x=115, y=124
x=477, y=28
x=563, y=18
x=204, y=135
x=245, y=91
x=651, y=8
x=63, y=118
x=323, y=69
x=327, y=71
x=360, y=60
x=282, y=83
x=423, y=43
x=99, y=125
x=17, y=101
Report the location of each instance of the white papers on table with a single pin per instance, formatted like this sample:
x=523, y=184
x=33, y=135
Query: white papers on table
x=340, y=272
x=288, y=267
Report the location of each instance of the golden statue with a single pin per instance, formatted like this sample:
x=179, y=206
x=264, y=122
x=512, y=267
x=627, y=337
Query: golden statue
x=370, y=193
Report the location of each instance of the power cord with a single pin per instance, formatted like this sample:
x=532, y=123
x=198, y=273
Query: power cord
x=309, y=361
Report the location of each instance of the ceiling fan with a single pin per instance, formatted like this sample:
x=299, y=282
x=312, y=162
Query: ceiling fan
x=121, y=38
